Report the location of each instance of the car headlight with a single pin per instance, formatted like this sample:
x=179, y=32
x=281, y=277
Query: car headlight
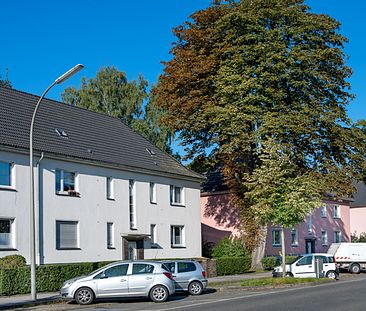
x=67, y=284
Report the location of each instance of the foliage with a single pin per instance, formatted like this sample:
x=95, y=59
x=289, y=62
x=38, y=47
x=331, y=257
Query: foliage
x=12, y=261
x=228, y=247
x=15, y=281
x=280, y=281
x=247, y=72
x=111, y=93
x=233, y=265
x=207, y=248
x=269, y=263
x=5, y=82
x=361, y=238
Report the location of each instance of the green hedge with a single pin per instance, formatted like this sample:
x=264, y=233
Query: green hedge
x=49, y=277
x=272, y=261
x=233, y=265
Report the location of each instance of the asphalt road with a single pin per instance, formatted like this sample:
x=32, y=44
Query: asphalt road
x=348, y=294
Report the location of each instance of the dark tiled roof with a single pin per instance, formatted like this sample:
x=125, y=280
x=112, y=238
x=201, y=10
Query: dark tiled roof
x=360, y=195
x=91, y=136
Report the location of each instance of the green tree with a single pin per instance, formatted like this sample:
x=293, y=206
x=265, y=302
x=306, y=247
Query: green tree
x=111, y=93
x=247, y=72
x=5, y=82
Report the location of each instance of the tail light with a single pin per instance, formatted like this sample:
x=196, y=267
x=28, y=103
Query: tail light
x=204, y=274
x=168, y=275
x=334, y=260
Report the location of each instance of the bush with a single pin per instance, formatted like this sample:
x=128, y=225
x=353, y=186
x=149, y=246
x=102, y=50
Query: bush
x=233, y=265
x=49, y=277
x=12, y=261
x=269, y=263
x=228, y=247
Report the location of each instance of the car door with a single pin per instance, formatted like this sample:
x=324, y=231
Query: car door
x=112, y=281
x=184, y=274
x=304, y=267
x=140, y=279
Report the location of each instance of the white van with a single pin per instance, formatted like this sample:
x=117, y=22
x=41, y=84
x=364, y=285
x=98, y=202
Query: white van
x=306, y=266
x=350, y=256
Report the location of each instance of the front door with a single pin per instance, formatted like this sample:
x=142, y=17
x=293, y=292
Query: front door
x=132, y=250
x=309, y=246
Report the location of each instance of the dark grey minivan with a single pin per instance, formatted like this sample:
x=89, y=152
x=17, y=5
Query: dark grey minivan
x=188, y=276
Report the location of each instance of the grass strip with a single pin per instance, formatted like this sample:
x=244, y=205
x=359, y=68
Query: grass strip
x=280, y=281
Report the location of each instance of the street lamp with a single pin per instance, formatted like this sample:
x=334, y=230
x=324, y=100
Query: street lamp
x=59, y=80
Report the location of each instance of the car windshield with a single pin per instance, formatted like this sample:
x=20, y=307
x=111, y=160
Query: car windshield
x=290, y=262
x=98, y=270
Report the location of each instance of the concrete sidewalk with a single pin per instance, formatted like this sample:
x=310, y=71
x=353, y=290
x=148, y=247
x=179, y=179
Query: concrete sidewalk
x=17, y=301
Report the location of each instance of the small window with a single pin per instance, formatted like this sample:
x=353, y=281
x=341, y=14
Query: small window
x=132, y=204
x=61, y=133
x=337, y=237
x=110, y=235
x=67, y=236
x=186, y=267
x=119, y=270
x=141, y=268
x=307, y=260
x=276, y=237
x=65, y=182
x=153, y=234
x=170, y=266
x=323, y=211
x=336, y=211
x=152, y=192
x=6, y=179
x=322, y=259
x=324, y=238
x=177, y=236
x=7, y=233
x=310, y=225
x=176, y=195
x=110, y=188
x=294, y=238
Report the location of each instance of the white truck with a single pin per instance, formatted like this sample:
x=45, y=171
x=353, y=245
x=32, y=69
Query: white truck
x=350, y=256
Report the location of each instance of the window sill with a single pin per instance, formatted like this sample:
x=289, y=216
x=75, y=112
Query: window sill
x=178, y=246
x=154, y=203
x=177, y=205
x=68, y=249
x=334, y=217
x=133, y=229
x=8, y=188
x=276, y=245
x=325, y=244
x=294, y=245
x=111, y=199
x=111, y=247
x=67, y=194
x=7, y=249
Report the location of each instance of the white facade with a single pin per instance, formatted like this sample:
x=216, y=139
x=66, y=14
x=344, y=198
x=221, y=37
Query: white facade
x=101, y=218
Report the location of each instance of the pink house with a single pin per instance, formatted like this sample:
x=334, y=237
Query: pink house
x=358, y=211
x=327, y=224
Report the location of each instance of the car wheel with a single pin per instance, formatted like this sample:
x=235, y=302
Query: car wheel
x=355, y=268
x=289, y=275
x=331, y=275
x=195, y=288
x=84, y=296
x=159, y=293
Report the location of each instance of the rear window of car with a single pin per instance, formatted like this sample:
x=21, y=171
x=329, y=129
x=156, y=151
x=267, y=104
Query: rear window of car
x=169, y=266
x=186, y=267
x=141, y=268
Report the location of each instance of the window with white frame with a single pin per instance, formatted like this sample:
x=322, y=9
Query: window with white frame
x=152, y=192
x=276, y=237
x=6, y=174
x=67, y=234
x=176, y=195
x=323, y=211
x=324, y=237
x=110, y=188
x=336, y=211
x=7, y=233
x=310, y=225
x=66, y=182
x=110, y=235
x=132, y=204
x=177, y=236
x=294, y=237
x=337, y=238
x=153, y=235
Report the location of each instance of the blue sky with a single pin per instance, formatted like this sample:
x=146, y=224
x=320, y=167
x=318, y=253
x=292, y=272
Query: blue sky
x=42, y=39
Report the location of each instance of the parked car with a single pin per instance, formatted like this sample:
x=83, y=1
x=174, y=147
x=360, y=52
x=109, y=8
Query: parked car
x=188, y=276
x=121, y=279
x=305, y=266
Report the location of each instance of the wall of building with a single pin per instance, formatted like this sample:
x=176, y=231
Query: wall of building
x=358, y=220
x=92, y=210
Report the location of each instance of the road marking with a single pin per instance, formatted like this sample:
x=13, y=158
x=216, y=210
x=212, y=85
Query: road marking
x=252, y=295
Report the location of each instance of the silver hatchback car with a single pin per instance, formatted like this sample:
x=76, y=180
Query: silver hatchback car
x=188, y=276
x=121, y=279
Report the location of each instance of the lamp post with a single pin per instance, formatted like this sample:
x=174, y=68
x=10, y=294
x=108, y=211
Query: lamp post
x=59, y=80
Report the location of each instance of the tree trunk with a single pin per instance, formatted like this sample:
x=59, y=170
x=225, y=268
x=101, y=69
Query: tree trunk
x=258, y=252
x=283, y=251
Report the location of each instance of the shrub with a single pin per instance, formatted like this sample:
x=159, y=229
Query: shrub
x=269, y=263
x=12, y=261
x=233, y=265
x=49, y=277
x=228, y=247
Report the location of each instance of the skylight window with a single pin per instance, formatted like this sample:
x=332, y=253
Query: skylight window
x=151, y=152
x=61, y=133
